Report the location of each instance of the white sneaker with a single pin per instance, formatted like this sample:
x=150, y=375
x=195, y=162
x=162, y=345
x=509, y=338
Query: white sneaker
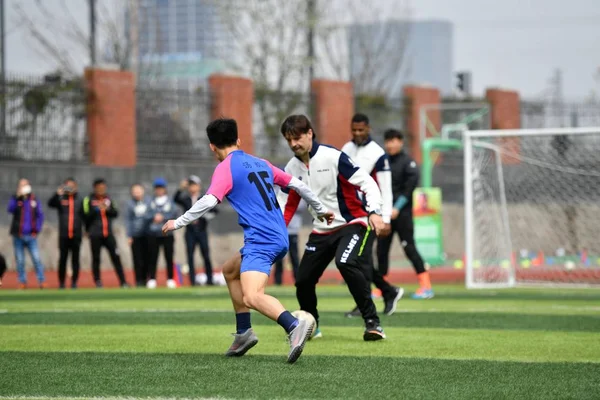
x=151, y=284
x=171, y=284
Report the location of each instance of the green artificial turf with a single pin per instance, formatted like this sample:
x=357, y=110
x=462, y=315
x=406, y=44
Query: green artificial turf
x=525, y=343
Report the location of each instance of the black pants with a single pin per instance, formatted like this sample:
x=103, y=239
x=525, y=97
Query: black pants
x=193, y=237
x=110, y=244
x=66, y=246
x=155, y=243
x=141, y=259
x=293, y=252
x=404, y=227
x=350, y=249
x=2, y=266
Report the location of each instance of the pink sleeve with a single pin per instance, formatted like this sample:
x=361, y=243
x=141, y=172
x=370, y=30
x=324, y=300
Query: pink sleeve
x=221, y=182
x=280, y=178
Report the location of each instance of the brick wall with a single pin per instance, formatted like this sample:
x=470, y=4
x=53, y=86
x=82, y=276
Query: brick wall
x=111, y=117
x=334, y=107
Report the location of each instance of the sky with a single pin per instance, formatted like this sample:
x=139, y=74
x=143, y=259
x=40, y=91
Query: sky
x=514, y=44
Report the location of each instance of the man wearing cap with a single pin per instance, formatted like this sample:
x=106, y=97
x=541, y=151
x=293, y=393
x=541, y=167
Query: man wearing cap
x=160, y=211
x=196, y=233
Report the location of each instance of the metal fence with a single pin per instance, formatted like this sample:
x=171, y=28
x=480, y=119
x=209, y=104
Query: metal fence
x=171, y=124
x=541, y=114
x=42, y=119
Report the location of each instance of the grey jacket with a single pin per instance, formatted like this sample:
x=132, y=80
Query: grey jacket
x=168, y=210
x=136, y=220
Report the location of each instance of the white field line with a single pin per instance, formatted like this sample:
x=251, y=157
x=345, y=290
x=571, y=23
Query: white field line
x=105, y=398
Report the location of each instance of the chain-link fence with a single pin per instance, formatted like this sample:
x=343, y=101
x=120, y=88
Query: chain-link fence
x=42, y=119
x=171, y=124
x=542, y=114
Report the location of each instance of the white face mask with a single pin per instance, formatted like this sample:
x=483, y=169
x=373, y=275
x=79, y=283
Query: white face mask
x=161, y=201
x=26, y=189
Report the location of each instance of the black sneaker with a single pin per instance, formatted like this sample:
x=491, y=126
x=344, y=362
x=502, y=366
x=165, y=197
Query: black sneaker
x=354, y=313
x=73, y=285
x=391, y=302
x=62, y=286
x=99, y=284
x=125, y=285
x=373, y=331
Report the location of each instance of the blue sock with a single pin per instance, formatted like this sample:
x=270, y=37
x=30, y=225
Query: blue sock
x=287, y=321
x=242, y=322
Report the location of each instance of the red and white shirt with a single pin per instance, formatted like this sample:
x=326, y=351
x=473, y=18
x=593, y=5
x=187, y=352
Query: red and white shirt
x=371, y=156
x=337, y=181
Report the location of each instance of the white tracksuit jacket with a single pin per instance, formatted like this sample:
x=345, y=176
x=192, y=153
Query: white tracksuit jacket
x=336, y=180
x=371, y=157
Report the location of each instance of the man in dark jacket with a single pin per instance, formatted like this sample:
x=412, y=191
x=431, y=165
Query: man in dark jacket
x=405, y=178
x=2, y=267
x=27, y=223
x=190, y=190
x=70, y=217
x=99, y=211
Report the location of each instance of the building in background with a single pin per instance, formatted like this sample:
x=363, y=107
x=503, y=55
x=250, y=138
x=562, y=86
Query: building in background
x=178, y=43
x=427, y=57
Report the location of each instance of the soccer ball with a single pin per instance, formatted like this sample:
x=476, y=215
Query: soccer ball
x=300, y=314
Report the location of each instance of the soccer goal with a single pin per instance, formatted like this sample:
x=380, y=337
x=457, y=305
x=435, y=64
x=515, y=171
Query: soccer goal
x=532, y=207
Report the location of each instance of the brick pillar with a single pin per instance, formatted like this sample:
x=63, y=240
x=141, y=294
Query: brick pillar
x=506, y=114
x=334, y=108
x=111, y=117
x=233, y=97
x=417, y=97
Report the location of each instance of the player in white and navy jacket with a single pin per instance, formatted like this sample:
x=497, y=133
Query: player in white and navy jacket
x=371, y=156
x=336, y=180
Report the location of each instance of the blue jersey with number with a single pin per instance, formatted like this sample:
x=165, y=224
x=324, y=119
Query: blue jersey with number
x=248, y=183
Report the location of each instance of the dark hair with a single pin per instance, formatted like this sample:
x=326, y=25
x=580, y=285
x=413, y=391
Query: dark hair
x=297, y=125
x=99, y=181
x=70, y=179
x=358, y=117
x=222, y=132
x=393, y=134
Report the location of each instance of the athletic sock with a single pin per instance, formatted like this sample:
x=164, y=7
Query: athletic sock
x=242, y=322
x=424, y=281
x=287, y=321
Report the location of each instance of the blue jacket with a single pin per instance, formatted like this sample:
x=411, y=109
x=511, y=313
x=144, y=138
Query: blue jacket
x=28, y=217
x=136, y=220
x=168, y=211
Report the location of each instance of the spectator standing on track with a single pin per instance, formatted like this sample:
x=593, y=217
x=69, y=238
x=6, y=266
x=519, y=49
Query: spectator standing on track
x=196, y=233
x=70, y=228
x=137, y=233
x=2, y=267
x=405, y=178
x=293, y=229
x=99, y=211
x=27, y=223
x=160, y=211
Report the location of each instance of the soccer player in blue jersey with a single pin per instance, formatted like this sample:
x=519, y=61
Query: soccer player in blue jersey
x=247, y=182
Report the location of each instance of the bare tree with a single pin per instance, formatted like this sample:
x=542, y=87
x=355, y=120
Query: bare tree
x=365, y=43
x=271, y=48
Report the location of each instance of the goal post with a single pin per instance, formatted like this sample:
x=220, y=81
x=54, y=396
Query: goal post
x=532, y=207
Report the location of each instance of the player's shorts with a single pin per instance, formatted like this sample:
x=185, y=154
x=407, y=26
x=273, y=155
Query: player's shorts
x=261, y=259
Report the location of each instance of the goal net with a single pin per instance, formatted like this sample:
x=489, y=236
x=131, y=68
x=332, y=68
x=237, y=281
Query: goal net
x=532, y=207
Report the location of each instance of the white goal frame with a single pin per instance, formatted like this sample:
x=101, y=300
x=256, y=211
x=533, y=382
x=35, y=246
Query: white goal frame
x=471, y=138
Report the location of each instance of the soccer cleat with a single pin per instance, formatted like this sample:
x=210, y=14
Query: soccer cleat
x=373, y=331
x=422, y=294
x=171, y=284
x=354, y=313
x=151, y=284
x=242, y=342
x=390, y=304
x=297, y=339
x=317, y=334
